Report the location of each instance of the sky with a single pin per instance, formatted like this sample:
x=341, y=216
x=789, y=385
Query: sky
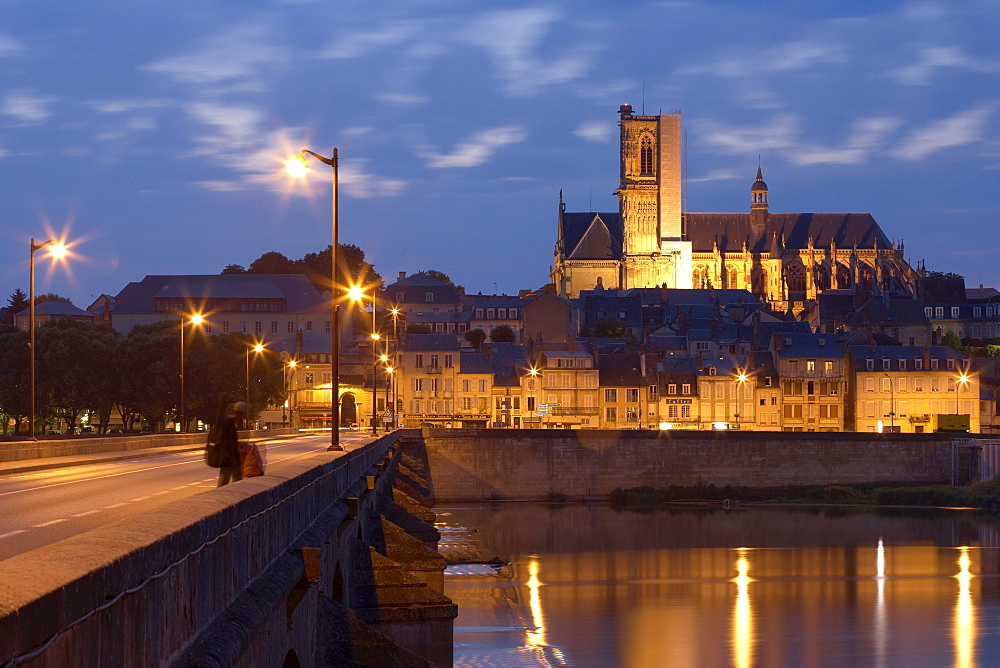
x=152, y=134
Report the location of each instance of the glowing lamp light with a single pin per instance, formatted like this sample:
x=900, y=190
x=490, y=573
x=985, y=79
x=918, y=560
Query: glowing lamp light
x=666, y=425
x=355, y=292
x=376, y=336
x=383, y=358
x=58, y=250
x=720, y=425
x=297, y=167
x=293, y=364
x=197, y=319
x=258, y=348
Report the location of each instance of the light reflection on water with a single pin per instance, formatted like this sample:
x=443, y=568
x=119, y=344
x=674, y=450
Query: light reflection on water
x=589, y=586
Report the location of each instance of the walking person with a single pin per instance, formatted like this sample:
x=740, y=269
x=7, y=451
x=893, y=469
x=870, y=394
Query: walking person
x=231, y=469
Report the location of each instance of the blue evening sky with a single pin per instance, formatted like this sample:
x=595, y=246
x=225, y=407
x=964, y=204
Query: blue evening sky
x=154, y=131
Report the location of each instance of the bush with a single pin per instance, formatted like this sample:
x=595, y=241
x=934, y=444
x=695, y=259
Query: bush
x=841, y=494
x=929, y=495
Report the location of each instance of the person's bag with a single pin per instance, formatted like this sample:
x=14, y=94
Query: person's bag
x=215, y=453
x=253, y=463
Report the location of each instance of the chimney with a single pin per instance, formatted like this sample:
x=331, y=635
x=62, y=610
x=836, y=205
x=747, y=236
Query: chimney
x=777, y=341
x=402, y=275
x=699, y=362
x=927, y=357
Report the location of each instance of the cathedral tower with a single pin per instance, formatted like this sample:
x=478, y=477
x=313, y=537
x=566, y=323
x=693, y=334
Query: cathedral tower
x=654, y=249
x=758, y=204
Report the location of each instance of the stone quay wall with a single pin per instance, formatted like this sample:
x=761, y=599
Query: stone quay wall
x=532, y=464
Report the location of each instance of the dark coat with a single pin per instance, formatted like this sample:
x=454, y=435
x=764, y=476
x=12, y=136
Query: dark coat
x=230, y=441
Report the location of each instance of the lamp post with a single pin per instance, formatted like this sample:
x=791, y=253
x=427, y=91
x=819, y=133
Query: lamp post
x=257, y=348
x=741, y=379
x=357, y=294
x=533, y=372
x=297, y=167
x=388, y=379
x=892, y=405
x=395, y=365
x=57, y=251
x=195, y=319
x=288, y=398
x=963, y=379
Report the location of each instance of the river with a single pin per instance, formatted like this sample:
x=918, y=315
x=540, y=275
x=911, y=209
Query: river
x=588, y=585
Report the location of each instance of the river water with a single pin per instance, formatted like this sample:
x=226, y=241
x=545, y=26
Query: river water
x=750, y=586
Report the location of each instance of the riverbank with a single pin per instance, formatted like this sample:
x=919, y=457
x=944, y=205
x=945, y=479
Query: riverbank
x=982, y=495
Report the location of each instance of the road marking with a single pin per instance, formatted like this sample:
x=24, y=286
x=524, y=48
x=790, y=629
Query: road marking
x=174, y=489
x=11, y=533
x=116, y=505
x=166, y=491
x=141, y=498
x=89, y=512
x=49, y=523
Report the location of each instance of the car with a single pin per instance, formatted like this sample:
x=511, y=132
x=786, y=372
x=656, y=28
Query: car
x=146, y=430
x=87, y=429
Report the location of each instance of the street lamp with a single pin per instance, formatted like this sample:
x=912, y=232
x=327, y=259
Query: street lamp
x=963, y=379
x=57, y=251
x=533, y=372
x=297, y=167
x=395, y=365
x=284, y=384
x=195, y=319
x=741, y=380
x=257, y=348
x=892, y=405
x=357, y=294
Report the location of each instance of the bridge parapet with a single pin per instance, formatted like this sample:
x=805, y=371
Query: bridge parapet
x=289, y=567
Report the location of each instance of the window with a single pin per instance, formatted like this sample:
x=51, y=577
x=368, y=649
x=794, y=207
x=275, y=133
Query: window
x=466, y=385
x=243, y=326
x=482, y=385
x=418, y=384
x=902, y=365
x=869, y=384
x=490, y=314
x=479, y=314
x=418, y=361
x=686, y=388
x=711, y=371
x=632, y=395
x=610, y=394
x=701, y=345
x=434, y=361
x=611, y=414
x=291, y=327
x=774, y=400
x=918, y=364
x=810, y=388
x=938, y=311
x=954, y=311
x=225, y=326
x=918, y=384
x=902, y=385
x=653, y=392
x=646, y=156
x=501, y=314
x=870, y=364
x=566, y=380
x=793, y=366
x=327, y=326
x=309, y=378
x=274, y=326
x=258, y=328
x=928, y=311
x=951, y=364
x=885, y=364
x=685, y=411
x=672, y=410
x=672, y=388
x=768, y=381
x=828, y=367
x=977, y=311
x=886, y=384
x=934, y=364
x=428, y=297
x=448, y=361
x=309, y=325
x=810, y=365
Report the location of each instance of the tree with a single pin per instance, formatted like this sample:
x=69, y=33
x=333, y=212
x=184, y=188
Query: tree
x=476, y=337
x=150, y=366
x=951, y=340
x=444, y=278
x=17, y=302
x=608, y=327
x=418, y=328
x=234, y=269
x=13, y=375
x=317, y=266
x=502, y=334
x=50, y=297
x=273, y=263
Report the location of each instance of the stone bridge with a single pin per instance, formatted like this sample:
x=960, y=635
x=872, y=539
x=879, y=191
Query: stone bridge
x=330, y=560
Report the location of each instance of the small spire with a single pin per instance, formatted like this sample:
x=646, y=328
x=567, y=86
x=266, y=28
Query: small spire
x=760, y=177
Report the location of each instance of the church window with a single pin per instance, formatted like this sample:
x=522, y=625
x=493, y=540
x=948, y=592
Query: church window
x=646, y=156
x=732, y=277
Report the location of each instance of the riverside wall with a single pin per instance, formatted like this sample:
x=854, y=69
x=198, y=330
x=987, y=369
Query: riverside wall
x=531, y=464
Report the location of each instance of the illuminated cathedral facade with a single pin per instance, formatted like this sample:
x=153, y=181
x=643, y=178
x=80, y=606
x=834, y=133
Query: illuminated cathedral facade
x=784, y=258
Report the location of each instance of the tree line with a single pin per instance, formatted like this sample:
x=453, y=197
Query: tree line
x=85, y=368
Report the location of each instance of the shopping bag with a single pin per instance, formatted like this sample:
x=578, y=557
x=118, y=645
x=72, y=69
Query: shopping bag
x=253, y=463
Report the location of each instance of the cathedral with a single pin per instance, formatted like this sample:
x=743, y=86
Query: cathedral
x=786, y=259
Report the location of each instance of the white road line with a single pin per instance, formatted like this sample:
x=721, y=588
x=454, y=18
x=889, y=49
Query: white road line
x=166, y=491
x=11, y=533
x=49, y=523
x=174, y=489
x=89, y=512
x=141, y=498
x=116, y=505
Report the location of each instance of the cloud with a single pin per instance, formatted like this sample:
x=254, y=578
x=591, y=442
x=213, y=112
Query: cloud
x=512, y=39
x=933, y=58
x=26, y=107
x=358, y=43
x=779, y=134
x=787, y=57
x=965, y=127
x=402, y=99
x=9, y=47
x=125, y=106
x=866, y=136
x=478, y=149
x=236, y=130
x=717, y=175
x=599, y=131
x=356, y=182
x=235, y=57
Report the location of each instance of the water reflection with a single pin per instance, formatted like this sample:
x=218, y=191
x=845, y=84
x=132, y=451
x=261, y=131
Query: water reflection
x=742, y=615
x=965, y=623
x=590, y=586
